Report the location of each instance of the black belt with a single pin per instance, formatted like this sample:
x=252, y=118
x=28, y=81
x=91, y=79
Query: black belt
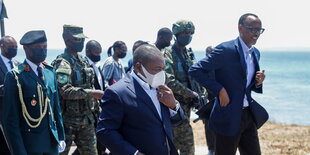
x=246, y=108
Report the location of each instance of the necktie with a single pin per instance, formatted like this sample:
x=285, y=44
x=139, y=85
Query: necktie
x=100, y=80
x=40, y=73
x=11, y=64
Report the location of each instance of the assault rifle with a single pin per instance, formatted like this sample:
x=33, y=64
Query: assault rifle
x=200, y=103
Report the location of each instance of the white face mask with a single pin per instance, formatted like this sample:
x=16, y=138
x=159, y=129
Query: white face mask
x=153, y=80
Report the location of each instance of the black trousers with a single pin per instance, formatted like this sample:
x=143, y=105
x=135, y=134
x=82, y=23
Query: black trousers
x=4, y=149
x=210, y=136
x=100, y=148
x=246, y=139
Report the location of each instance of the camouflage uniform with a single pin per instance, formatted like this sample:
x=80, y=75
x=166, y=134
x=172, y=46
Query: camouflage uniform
x=179, y=82
x=75, y=82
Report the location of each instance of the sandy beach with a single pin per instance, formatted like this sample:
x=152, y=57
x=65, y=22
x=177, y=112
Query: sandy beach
x=275, y=139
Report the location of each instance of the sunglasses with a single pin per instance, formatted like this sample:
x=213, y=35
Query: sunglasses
x=255, y=30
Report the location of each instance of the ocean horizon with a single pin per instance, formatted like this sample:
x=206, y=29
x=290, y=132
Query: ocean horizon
x=286, y=89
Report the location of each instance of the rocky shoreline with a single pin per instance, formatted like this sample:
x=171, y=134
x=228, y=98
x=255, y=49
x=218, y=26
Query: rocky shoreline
x=275, y=138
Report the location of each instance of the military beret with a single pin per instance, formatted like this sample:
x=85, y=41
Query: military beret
x=33, y=37
x=75, y=31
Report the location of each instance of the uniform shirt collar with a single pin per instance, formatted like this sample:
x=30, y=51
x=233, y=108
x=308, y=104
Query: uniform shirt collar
x=33, y=66
x=97, y=64
x=79, y=57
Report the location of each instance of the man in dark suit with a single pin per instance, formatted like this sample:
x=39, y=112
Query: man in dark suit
x=32, y=119
x=93, y=56
x=8, y=47
x=235, y=65
x=137, y=111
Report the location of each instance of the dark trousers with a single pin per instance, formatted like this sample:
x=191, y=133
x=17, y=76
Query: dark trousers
x=100, y=148
x=53, y=149
x=54, y=152
x=210, y=136
x=246, y=139
x=3, y=146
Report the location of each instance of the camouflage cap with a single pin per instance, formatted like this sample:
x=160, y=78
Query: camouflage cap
x=183, y=25
x=75, y=31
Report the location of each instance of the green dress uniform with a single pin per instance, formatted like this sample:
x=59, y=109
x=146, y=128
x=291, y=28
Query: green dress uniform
x=31, y=112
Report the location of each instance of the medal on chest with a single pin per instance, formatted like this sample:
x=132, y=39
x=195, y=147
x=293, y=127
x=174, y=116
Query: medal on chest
x=33, y=101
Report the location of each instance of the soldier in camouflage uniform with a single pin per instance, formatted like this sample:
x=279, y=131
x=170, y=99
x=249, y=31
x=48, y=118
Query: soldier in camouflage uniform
x=178, y=61
x=78, y=97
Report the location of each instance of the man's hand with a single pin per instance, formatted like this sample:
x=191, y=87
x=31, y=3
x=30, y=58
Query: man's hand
x=97, y=94
x=166, y=97
x=106, y=86
x=193, y=95
x=61, y=146
x=260, y=77
x=224, y=98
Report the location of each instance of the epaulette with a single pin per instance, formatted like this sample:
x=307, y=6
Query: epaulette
x=59, y=59
x=64, y=56
x=22, y=67
x=166, y=51
x=46, y=65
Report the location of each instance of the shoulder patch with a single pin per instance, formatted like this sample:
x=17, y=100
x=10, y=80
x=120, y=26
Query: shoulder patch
x=64, y=67
x=62, y=78
x=22, y=67
x=46, y=65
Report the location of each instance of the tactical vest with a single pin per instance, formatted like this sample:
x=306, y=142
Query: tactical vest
x=82, y=76
x=180, y=67
x=181, y=74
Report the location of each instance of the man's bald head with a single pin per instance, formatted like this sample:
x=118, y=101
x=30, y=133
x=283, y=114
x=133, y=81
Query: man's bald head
x=148, y=57
x=6, y=40
x=145, y=54
x=8, y=47
x=93, y=50
x=164, y=37
x=164, y=31
x=92, y=44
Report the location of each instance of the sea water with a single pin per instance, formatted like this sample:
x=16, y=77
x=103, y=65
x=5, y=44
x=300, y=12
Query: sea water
x=286, y=89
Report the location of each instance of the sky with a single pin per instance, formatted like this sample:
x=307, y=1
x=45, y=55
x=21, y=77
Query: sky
x=286, y=22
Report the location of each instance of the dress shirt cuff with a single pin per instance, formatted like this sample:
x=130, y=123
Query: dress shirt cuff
x=61, y=146
x=258, y=86
x=174, y=112
x=136, y=152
